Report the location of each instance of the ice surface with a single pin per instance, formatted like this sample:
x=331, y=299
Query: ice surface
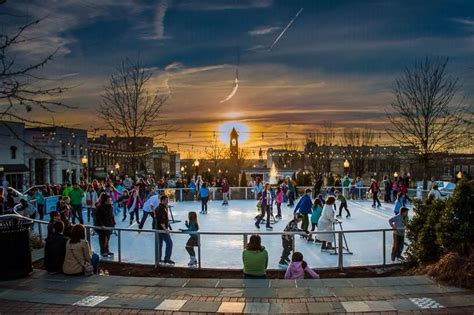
x=225, y=251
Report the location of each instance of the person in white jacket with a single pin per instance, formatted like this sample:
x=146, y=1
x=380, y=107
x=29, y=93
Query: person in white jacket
x=91, y=200
x=326, y=223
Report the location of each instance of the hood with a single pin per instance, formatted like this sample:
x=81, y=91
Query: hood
x=295, y=266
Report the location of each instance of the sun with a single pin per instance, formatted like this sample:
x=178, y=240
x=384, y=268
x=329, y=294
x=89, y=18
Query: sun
x=226, y=128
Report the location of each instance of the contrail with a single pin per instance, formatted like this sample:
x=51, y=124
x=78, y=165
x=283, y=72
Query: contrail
x=285, y=29
x=234, y=90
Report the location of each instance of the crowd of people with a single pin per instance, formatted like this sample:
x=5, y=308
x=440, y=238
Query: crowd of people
x=68, y=251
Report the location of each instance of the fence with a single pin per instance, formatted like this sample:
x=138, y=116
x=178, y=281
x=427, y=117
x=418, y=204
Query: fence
x=337, y=257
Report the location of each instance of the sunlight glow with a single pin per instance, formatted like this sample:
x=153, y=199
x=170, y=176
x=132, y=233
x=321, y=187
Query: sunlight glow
x=232, y=115
x=226, y=128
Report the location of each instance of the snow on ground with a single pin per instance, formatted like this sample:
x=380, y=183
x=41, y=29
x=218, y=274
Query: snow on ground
x=225, y=251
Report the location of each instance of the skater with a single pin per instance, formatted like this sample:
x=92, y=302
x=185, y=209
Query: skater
x=287, y=240
x=398, y=224
x=340, y=197
x=399, y=203
x=255, y=259
x=132, y=205
x=76, y=194
x=291, y=192
x=204, y=194
x=162, y=224
x=316, y=214
x=104, y=217
x=148, y=209
x=387, y=184
x=375, y=189
x=39, y=198
x=266, y=200
x=325, y=224
x=192, y=226
x=225, y=192
x=123, y=200
x=91, y=200
x=298, y=267
x=304, y=206
x=279, y=201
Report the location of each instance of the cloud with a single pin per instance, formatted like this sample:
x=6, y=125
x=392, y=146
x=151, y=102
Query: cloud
x=264, y=30
x=464, y=21
x=159, y=22
x=216, y=5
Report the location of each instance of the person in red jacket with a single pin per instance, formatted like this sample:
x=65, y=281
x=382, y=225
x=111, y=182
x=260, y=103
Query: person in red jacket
x=375, y=189
x=225, y=191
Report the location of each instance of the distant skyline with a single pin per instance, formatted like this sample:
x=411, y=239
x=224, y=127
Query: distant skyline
x=337, y=62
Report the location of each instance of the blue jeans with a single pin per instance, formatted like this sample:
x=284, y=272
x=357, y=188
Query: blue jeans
x=95, y=261
x=165, y=237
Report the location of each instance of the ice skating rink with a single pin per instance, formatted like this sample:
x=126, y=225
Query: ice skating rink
x=225, y=251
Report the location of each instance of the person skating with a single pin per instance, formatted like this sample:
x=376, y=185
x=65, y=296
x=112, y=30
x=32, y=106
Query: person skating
x=225, y=192
x=304, y=206
x=133, y=204
x=204, y=194
x=316, y=211
x=104, y=217
x=76, y=194
x=148, y=208
x=326, y=224
x=91, y=200
x=266, y=200
x=375, y=189
x=192, y=226
x=287, y=240
x=340, y=197
x=398, y=224
x=279, y=200
x=162, y=224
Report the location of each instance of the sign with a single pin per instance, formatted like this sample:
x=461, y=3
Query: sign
x=50, y=204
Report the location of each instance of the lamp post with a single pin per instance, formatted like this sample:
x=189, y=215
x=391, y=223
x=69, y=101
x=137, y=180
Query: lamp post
x=182, y=171
x=459, y=176
x=395, y=175
x=117, y=168
x=196, y=165
x=85, y=171
x=346, y=166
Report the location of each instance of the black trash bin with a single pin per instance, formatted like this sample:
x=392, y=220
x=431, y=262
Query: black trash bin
x=15, y=261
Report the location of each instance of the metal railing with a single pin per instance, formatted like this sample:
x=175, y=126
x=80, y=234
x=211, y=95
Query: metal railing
x=339, y=250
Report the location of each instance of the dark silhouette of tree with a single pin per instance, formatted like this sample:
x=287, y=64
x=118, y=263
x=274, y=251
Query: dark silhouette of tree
x=356, y=147
x=424, y=115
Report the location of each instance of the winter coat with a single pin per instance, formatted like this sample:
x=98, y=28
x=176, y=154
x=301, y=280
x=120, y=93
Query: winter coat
x=76, y=195
x=304, y=205
x=279, y=196
x=316, y=214
x=204, y=192
x=399, y=203
x=255, y=262
x=91, y=199
x=325, y=223
x=266, y=198
x=104, y=216
x=225, y=187
x=295, y=271
x=138, y=203
x=374, y=187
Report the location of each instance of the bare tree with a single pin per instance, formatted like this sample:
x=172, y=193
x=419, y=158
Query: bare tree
x=319, y=150
x=129, y=105
x=356, y=146
x=423, y=115
x=216, y=152
x=21, y=84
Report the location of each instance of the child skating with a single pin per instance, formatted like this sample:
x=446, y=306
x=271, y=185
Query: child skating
x=192, y=226
x=340, y=197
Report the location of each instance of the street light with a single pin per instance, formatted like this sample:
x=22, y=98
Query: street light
x=346, y=166
x=117, y=166
x=196, y=165
x=84, y=162
x=459, y=175
x=395, y=175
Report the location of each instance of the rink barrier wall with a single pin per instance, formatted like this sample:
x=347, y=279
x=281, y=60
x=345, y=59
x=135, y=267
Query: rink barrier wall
x=340, y=251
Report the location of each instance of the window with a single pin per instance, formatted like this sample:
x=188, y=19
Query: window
x=81, y=150
x=384, y=166
x=63, y=149
x=447, y=171
x=73, y=150
x=13, y=152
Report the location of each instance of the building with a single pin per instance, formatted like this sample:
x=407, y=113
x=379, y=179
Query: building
x=120, y=156
x=34, y=156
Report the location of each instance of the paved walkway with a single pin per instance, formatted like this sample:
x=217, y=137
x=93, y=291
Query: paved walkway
x=48, y=293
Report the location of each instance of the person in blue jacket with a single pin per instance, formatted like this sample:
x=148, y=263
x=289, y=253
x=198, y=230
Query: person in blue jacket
x=399, y=203
x=304, y=206
x=204, y=193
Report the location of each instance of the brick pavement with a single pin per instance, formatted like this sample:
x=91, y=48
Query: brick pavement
x=48, y=293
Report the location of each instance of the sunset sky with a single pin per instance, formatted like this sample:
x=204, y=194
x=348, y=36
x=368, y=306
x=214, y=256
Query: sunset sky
x=337, y=62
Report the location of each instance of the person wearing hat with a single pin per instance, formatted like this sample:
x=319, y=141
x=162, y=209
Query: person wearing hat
x=398, y=224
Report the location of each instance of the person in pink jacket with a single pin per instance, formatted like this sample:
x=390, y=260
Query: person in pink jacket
x=298, y=267
x=279, y=200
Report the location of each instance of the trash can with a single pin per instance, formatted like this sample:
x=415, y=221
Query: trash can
x=15, y=247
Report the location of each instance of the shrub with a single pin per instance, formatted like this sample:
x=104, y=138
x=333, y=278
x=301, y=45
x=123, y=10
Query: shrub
x=455, y=229
x=421, y=233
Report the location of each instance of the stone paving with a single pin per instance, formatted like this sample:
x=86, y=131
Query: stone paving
x=56, y=293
